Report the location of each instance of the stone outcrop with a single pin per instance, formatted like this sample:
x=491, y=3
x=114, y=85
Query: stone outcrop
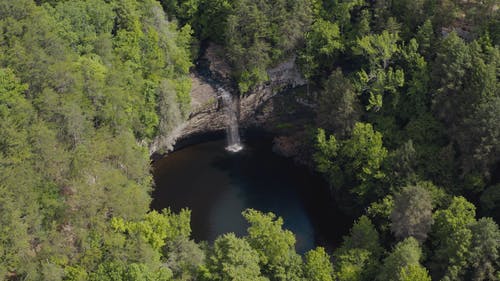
x=219, y=69
x=256, y=108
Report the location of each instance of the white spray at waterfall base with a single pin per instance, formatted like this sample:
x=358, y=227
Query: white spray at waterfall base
x=232, y=129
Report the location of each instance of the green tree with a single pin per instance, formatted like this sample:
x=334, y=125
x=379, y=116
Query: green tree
x=363, y=154
x=401, y=165
x=480, y=141
x=14, y=238
x=362, y=27
x=490, y=199
x=118, y=271
x=76, y=120
x=363, y=235
x=413, y=273
x=381, y=77
x=425, y=38
x=484, y=254
x=379, y=213
x=16, y=118
x=85, y=26
x=412, y=213
x=248, y=50
x=452, y=238
x=16, y=114
x=415, y=100
x=327, y=152
x=357, y=258
x=452, y=67
x=379, y=49
x=157, y=228
x=406, y=253
x=274, y=245
x=355, y=163
x=410, y=13
x=260, y=33
x=462, y=105
x=184, y=257
x=169, y=112
x=444, y=12
x=233, y=258
x=317, y=266
x=211, y=21
x=338, y=108
x=352, y=265
x=322, y=45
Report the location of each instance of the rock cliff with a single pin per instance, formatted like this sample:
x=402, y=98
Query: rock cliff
x=256, y=107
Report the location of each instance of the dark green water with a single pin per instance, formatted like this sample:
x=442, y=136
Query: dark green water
x=218, y=185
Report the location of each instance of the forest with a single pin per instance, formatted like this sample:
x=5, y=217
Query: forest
x=406, y=133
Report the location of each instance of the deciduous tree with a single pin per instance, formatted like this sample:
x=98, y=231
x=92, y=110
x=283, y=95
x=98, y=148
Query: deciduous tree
x=317, y=266
x=452, y=238
x=406, y=253
x=275, y=246
x=232, y=258
x=484, y=254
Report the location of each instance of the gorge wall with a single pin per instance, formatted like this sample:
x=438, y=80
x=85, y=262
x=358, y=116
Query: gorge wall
x=207, y=113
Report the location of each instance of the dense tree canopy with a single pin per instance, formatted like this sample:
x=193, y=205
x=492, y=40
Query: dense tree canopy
x=355, y=163
x=78, y=93
x=405, y=255
x=233, y=259
x=402, y=120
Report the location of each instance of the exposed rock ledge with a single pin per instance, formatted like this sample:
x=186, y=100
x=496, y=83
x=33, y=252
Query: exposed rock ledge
x=207, y=114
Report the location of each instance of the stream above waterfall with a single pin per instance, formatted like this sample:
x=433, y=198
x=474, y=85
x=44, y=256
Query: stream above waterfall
x=218, y=185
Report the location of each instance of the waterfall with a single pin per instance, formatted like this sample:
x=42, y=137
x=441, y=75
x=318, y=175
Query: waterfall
x=232, y=131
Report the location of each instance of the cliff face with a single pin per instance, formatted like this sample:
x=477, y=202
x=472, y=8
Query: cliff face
x=207, y=113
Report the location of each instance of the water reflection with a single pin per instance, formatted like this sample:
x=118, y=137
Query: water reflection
x=217, y=186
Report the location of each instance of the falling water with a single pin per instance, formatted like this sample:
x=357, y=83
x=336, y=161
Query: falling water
x=232, y=131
